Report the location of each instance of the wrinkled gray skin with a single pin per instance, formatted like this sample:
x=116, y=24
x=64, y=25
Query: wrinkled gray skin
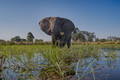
x=54, y=26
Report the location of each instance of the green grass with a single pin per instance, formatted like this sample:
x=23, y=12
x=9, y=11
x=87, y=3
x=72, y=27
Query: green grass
x=51, y=63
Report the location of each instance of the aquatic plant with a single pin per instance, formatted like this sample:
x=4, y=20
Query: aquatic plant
x=47, y=62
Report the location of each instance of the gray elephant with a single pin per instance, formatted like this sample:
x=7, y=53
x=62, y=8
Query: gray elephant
x=60, y=30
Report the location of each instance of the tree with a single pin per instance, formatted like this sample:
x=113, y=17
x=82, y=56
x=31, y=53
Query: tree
x=30, y=37
x=110, y=38
x=102, y=40
x=23, y=40
x=113, y=38
x=79, y=37
x=97, y=40
x=76, y=30
x=16, y=39
x=117, y=38
x=39, y=40
x=82, y=35
x=91, y=36
x=2, y=41
x=74, y=34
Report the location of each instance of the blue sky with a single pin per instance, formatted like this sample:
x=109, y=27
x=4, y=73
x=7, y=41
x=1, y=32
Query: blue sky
x=18, y=17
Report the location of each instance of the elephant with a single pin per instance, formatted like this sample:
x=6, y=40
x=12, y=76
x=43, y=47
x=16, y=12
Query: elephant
x=60, y=30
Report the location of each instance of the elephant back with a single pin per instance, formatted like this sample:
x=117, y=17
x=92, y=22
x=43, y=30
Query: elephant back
x=67, y=25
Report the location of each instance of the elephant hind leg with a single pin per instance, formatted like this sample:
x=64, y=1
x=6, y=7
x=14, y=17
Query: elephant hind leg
x=69, y=40
x=69, y=43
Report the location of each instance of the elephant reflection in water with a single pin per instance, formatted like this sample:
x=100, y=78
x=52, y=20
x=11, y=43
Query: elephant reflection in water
x=60, y=30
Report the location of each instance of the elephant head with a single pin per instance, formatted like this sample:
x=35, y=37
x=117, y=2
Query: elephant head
x=45, y=26
x=59, y=29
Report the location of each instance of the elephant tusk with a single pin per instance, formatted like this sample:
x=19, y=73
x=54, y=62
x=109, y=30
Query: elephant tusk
x=61, y=33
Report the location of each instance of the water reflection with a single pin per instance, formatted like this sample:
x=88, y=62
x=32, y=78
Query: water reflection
x=104, y=66
x=0, y=67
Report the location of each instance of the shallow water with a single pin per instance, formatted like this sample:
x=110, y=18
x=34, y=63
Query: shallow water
x=106, y=67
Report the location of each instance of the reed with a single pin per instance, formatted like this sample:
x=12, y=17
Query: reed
x=47, y=62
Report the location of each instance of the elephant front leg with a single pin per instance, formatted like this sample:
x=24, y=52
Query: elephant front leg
x=54, y=40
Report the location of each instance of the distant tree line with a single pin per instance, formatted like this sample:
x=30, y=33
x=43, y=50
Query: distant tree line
x=85, y=36
x=2, y=42
x=16, y=39
x=78, y=36
x=110, y=38
x=30, y=39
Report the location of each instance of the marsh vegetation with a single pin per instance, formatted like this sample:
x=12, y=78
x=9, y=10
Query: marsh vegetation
x=43, y=62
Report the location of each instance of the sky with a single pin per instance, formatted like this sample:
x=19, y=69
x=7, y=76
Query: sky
x=18, y=17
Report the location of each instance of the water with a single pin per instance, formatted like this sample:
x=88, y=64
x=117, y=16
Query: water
x=106, y=66
x=112, y=66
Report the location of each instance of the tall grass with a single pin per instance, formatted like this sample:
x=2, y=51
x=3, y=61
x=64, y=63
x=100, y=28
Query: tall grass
x=47, y=62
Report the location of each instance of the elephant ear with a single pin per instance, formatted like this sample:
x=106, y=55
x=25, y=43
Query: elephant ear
x=44, y=25
x=67, y=25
